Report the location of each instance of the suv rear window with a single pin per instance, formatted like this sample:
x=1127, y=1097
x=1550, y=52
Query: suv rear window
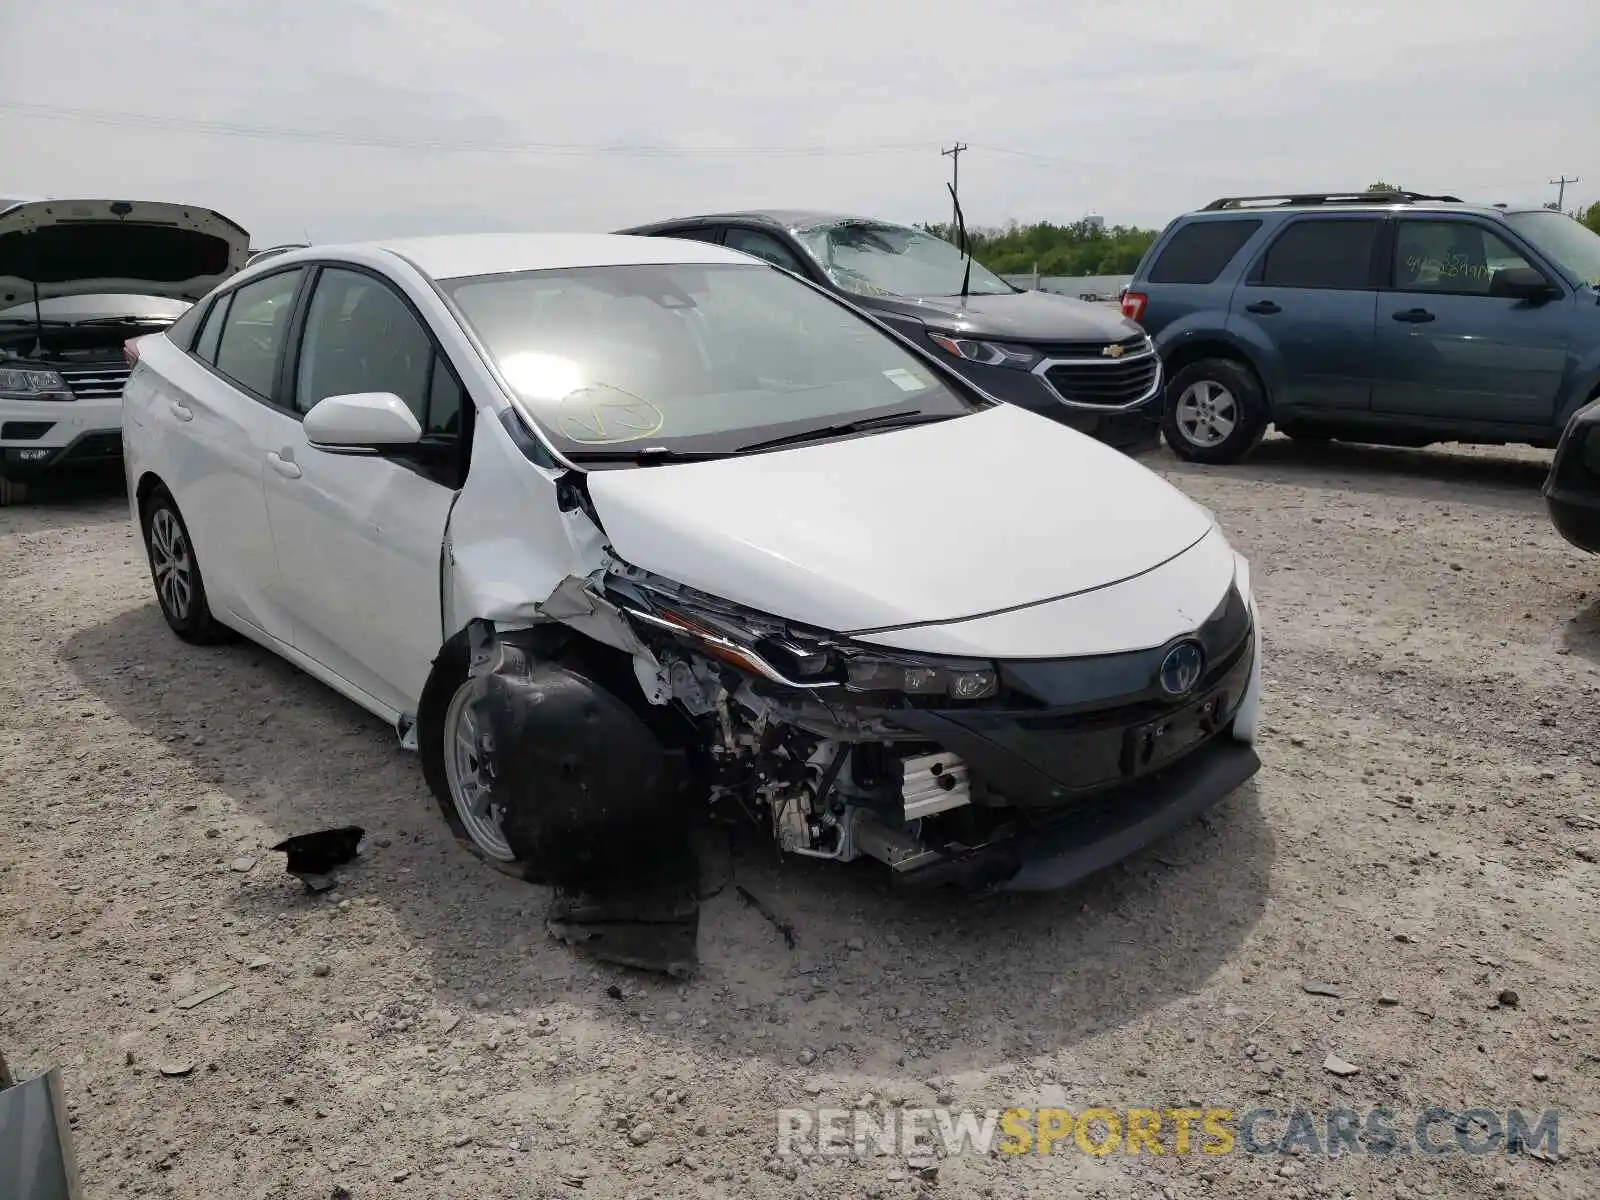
x=1322, y=252
x=1200, y=250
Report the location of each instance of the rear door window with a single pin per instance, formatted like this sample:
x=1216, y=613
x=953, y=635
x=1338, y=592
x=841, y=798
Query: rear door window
x=1201, y=250
x=1323, y=252
x=253, y=331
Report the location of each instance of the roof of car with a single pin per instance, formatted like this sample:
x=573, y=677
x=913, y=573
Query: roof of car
x=452, y=256
x=787, y=218
x=1337, y=202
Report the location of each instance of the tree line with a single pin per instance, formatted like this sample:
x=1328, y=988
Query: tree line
x=1079, y=248
x=1082, y=248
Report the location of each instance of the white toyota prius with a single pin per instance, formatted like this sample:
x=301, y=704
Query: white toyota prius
x=616, y=531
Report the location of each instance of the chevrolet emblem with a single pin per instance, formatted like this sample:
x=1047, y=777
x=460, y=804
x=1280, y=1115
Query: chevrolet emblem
x=1112, y=351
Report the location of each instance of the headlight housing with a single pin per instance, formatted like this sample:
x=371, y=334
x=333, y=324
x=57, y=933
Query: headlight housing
x=988, y=354
x=866, y=672
x=19, y=383
x=801, y=658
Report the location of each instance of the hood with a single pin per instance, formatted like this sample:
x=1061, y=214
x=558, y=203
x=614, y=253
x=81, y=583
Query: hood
x=93, y=307
x=932, y=523
x=1020, y=316
x=84, y=247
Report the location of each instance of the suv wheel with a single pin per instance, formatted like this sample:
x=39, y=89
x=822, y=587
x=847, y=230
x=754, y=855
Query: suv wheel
x=1216, y=411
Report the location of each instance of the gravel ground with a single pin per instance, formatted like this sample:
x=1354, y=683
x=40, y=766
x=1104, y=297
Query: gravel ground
x=1421, y=838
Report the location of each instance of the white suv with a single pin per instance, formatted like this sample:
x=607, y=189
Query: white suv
x=615, y=528
x=77, y=279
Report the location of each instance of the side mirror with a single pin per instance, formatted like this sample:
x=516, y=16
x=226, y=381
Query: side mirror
x=1521, y=283
x=361, y=422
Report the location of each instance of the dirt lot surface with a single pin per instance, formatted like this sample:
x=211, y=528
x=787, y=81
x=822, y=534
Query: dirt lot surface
x=1422, y=838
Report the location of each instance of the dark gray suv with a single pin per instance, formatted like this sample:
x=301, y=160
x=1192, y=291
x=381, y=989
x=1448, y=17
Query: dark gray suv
x=1386, y=317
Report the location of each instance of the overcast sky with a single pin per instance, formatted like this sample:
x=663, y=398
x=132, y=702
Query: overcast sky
x=1136, y=109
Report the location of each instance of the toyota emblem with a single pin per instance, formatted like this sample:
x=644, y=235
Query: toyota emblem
x=1181, y=668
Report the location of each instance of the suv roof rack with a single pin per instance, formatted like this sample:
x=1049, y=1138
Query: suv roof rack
x=1312, y=198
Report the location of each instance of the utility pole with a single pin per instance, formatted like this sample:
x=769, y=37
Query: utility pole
x=1561, y=193
x=955, y=181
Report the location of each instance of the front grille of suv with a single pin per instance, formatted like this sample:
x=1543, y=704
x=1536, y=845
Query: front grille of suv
x=1103, y=382
x=100, y=382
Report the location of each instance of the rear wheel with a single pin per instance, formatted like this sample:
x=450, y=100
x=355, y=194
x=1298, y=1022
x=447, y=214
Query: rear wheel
x=12, y=491
x=180, y=590
x=1216, y=411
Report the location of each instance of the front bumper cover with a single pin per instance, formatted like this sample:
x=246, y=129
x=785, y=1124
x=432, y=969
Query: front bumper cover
x=1130, y=430
x=96, y=448
x=1100, y=832
x=1083, y=779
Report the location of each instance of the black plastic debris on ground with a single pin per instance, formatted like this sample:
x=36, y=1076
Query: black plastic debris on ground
x=312, y=857
x=595, y=805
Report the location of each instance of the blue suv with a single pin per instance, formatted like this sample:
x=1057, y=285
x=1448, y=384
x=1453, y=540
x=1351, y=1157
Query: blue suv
x=1385, y=317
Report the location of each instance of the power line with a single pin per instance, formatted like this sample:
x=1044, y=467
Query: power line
x=459, y=145
x=1561, y=193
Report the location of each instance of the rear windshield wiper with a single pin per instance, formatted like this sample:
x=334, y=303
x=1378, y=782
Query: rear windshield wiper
x=910, y=416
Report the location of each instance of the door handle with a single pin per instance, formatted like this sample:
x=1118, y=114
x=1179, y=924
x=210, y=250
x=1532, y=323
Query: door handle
x=1413, y=316
x=181, y=411
x=283, y=466
x=1265, y=307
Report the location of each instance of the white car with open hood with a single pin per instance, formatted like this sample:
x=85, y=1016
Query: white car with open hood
x=617, y=529
x=77, y=279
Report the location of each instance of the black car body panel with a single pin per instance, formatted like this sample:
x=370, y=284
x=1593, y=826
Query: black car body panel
x=1572, y=489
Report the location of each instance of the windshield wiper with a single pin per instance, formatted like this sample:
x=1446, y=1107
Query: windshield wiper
x=909, y=416
x=966, y=246
x=123, y=321
x=647, y=456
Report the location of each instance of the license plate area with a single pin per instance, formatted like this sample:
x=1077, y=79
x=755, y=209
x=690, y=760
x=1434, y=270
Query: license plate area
x=1155, y=743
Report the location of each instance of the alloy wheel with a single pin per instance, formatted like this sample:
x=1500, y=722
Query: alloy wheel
x=172, y=564
x=468, y=781
x=1207, y=413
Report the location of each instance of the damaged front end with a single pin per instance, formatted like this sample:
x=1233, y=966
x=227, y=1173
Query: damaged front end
x=607, y=729
x=1012, y=775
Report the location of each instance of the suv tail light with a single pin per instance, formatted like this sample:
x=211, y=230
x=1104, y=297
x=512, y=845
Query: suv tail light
x=1134, y=304
x=130, y=352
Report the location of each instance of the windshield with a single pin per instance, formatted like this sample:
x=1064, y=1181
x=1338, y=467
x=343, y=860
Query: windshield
x=1574, y=247
x=694, y=358
x=875, y=258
